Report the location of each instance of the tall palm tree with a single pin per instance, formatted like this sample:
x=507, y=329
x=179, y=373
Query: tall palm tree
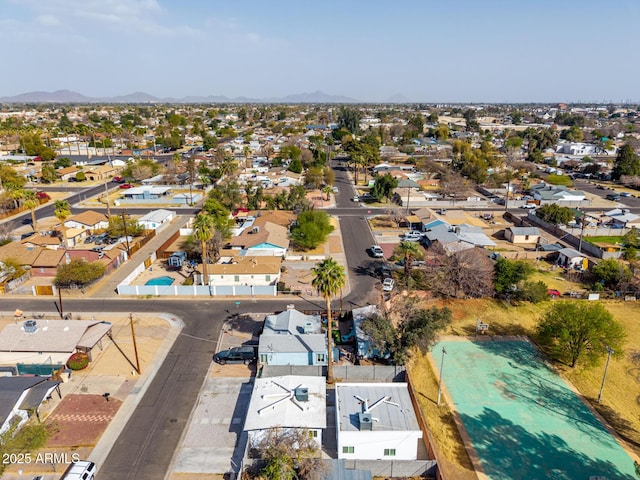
x=61, y=210
x=329, y=278
x=203, y=231
x=31, y=202
x=409, y=250
x=327, y=190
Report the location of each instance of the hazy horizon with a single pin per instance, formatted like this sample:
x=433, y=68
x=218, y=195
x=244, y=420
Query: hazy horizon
x=425, y=51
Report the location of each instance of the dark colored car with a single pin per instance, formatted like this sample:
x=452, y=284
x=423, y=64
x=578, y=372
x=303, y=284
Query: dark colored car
x=244, y=355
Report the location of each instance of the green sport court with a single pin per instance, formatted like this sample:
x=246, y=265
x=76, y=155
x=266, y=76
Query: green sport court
x=523, y=420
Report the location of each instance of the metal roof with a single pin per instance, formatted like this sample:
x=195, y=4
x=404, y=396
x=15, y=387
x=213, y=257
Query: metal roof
x=272, y=405
x=398, y=415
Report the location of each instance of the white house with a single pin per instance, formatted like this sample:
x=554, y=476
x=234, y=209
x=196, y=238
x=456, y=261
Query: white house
x=244, y=270
x=287, y=402
x=157, y=219
x=376, y=421
x=570, y=258
x=19, y=395
x=89, y=220
x=522, y=235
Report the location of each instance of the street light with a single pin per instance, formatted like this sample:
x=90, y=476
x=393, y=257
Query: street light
x=444, y=352
x=606, y=366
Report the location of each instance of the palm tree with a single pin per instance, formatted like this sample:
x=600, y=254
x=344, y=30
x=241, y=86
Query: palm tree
x=31, y=202
x=409, y=250
x=61, y=210
x=329, y=278
x=203, y=231
x=327, y=190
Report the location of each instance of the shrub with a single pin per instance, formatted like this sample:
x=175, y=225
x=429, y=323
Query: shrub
x=78, y=361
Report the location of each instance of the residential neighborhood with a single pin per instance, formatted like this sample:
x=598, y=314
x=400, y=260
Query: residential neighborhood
x=379, y=239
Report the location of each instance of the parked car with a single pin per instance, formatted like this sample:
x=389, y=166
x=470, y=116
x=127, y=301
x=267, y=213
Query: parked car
x=625, y=194
x=553, y=292
x=335, y=190
x=412, y=236
x=245, y=354
x=376, y=251
x=388, y=284
x=90, y=239
x=118, y=179
x=126, y=185
x=528, y=206
x=356, y=198
x=612, y=196
x=600, y=187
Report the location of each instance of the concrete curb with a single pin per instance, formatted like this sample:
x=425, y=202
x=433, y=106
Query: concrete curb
x=117, y=424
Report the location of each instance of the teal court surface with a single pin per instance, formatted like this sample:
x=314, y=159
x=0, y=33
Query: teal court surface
x=523, y=420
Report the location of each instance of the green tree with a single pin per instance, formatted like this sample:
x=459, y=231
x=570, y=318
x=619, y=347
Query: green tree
x=295, y=166
x=610, y=272
x=573, y=332
x=534, y=292
x=117, y=227
x=203, y=231
x=311, y=229
x=63, y=162
x=10, y=179
x=627, y=162
x=78, y=272
x=509, y=274
x=30, y=201
x=409, y=251
x=80, y=177
x=441, y=132
x=48, y=173
x=328, y=279
x=554, y=213
x=61, y=210
x=383, y=187
x=349, y=119
x=314, y=176
x=290, y=453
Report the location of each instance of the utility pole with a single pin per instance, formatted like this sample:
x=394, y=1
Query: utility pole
x=135, y=346
x=60, y=300
x=584, y=218
x=604, y=377
x=106, y=196
x=444, y=352
x=126, y=236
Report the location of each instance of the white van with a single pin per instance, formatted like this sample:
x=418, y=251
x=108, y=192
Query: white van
x=80, y=470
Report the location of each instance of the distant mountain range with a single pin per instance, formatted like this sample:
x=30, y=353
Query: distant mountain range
x=67, y=96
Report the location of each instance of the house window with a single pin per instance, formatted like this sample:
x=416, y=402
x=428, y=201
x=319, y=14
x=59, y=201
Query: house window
x=264, y=358
x=236, y=278
x=320, y=357
x=348, y=449
x=389, y=452
x=267, y=278
x=313, y=434
x=526, y=237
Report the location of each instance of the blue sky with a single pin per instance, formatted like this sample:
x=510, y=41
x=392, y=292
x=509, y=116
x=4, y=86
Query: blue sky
x=444, y=51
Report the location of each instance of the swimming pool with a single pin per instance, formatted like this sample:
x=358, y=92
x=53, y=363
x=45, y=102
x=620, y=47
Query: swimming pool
x=160, y=281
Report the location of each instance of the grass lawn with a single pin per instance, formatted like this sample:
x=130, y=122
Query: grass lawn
x=610, y=239
x=621, y=396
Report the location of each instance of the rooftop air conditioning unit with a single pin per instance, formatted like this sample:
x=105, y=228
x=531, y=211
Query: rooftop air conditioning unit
x=255, y=229
x=302, y=394
x=366, y=421
x=308, y=327
x=30, y=326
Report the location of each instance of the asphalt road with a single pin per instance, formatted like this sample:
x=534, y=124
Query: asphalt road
x=146, y=445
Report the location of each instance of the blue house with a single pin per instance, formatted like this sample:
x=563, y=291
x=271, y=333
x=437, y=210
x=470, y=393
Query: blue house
x=292, y=338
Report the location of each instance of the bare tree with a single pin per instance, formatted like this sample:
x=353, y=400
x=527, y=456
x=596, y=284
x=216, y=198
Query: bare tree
x=453, y=184
x=290, y=453
x=468, y=273
x=396, y=215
